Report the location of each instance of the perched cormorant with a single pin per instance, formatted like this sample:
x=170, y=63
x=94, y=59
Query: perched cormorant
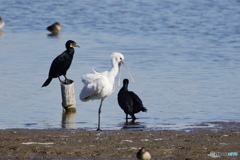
x=55, y=27
x=143, y=154
x=61, y=63
x=129, y=101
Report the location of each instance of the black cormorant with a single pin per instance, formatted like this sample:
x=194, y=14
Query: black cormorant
x=129, y=101
x=61, y=63
x=55, y=27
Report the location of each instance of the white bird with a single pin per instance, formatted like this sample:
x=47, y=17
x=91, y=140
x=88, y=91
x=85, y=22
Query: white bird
x=99, y=85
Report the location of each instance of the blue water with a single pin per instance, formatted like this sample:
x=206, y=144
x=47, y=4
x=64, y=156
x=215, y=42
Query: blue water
x=183, y=55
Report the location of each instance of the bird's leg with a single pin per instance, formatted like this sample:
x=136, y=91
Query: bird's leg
x=99, y=112
x=126, y=118
x=133, y=117
x=60, y=80
x=133, y=120
x=67, y=81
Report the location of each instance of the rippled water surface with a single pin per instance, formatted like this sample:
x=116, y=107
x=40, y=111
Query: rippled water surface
x=184, y=56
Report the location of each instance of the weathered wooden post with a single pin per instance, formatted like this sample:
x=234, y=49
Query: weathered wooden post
x=68, y=97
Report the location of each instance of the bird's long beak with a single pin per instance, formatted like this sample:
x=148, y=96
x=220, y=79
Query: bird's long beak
x=119, y=70
x=119, y=64
x=77, y=46
x=129, y=72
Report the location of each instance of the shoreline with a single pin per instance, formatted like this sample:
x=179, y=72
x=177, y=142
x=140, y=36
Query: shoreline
x=193, y=143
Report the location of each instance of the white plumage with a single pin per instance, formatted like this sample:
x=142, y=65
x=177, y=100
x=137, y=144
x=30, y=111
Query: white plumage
x=99, y=85
x=96, y=86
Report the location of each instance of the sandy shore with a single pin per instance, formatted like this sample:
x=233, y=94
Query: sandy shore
x=123, y=144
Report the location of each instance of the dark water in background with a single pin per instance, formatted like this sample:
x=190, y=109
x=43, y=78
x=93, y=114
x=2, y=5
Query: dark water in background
x=184, y=56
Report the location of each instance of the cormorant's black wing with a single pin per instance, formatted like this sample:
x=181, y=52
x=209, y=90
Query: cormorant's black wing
x=137, y=102
x=57, y=64
x=135, y=98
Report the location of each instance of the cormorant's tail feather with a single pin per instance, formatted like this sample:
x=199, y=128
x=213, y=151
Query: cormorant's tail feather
x=144, y=109
x=47, y=82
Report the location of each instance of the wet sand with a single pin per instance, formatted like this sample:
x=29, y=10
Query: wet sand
x=123, y=144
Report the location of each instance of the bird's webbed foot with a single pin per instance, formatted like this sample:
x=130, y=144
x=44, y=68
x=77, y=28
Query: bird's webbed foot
x=98, y=129
x=61, y=80
x=67, y=81
x=133, y=117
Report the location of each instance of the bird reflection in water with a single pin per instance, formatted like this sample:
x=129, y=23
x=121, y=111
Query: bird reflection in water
x=132, y=125
x=54, y=34
x=68, y=119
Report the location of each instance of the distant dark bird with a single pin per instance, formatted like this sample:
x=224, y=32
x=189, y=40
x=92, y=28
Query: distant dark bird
x=129, y=101
x=1, y=23
x=143, y=154
x=61, y=63
x=55, y=27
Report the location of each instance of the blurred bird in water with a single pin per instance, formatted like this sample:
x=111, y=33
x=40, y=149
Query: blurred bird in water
x=99, y=85
x=129, y=101
x=55, y=27
x=143, y=154
x=61, y=64
x=1, y=23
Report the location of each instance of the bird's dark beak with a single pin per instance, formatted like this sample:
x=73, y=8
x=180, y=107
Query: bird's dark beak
x=128, y=72
x=76, y=45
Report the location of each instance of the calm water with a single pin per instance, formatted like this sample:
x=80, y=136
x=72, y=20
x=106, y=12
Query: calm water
x=184, y=56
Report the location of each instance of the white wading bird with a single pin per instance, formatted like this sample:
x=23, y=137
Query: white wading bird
x=99, y=85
